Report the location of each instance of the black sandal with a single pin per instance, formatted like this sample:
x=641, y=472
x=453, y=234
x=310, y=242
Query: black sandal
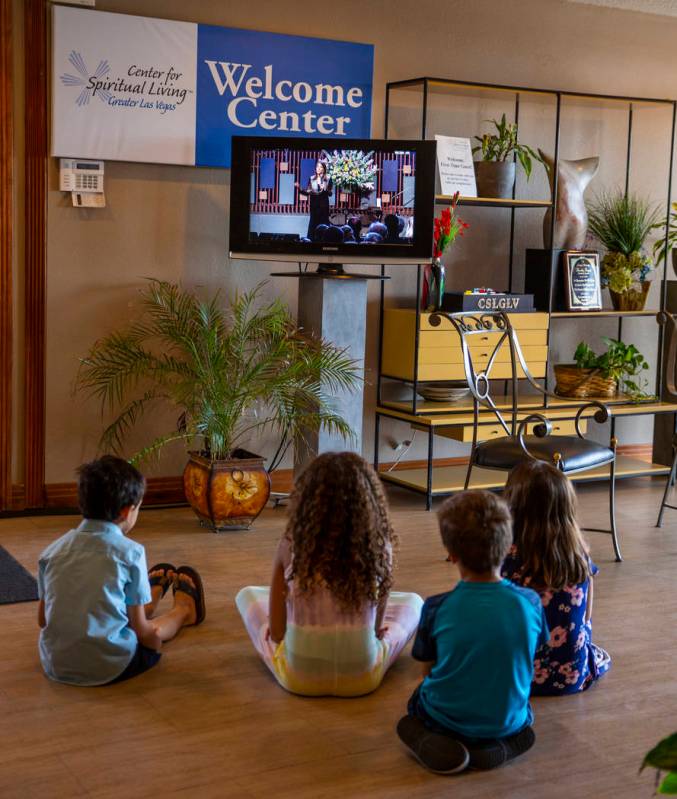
x=163, y=580
x=196, y=591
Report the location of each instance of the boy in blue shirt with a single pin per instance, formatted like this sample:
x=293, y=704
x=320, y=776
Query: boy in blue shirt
x=477, y=645
x=96, y=596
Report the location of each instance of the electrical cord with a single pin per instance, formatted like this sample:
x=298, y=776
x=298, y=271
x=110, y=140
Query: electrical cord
x=403, y=452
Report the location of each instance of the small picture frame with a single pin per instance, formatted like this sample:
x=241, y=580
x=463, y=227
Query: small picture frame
x=582, y=283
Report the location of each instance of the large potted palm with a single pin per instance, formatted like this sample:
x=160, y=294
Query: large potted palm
x=229, y=372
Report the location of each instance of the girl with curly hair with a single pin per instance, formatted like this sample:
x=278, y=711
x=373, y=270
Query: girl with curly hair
x=550, y=555
x=329, y=623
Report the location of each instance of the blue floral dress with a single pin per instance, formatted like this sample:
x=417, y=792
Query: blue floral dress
x=569, y=662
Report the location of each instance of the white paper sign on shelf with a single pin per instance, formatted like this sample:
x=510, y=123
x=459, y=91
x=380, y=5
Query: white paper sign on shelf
x=454, y=161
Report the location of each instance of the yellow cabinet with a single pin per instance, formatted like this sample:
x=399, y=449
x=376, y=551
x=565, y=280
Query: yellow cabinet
x=440, y=356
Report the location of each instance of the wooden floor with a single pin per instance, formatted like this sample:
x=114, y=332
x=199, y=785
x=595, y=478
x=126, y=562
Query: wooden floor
x=209, y=721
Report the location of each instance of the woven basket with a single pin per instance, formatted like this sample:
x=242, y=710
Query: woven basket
x=582, y=383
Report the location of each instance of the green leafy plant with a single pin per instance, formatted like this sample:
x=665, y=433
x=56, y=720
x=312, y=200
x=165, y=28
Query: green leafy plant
x=229, y=372
x=622, y=224
x=663, y=757
x=660, y=250
x=502, y=144
x=622, y=362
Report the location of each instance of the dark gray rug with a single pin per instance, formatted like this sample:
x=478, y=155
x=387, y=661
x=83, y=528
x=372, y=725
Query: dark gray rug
x=16, y=584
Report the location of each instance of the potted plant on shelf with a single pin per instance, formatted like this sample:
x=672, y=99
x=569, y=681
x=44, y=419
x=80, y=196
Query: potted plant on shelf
x=622, y=224
x=447, y=227
x=229, y=373
x=593, y=375
x=663, y=246
x=495, y=174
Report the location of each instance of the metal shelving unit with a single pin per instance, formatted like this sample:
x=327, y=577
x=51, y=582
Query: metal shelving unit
x=420, y=413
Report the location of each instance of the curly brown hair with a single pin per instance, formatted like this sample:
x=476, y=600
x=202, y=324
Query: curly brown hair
x=340, y=531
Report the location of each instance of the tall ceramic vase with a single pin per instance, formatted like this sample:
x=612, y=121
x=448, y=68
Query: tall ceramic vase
x=571, y=223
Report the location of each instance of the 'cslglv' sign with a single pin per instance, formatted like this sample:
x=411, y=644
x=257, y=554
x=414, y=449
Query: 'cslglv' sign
x=140, y=89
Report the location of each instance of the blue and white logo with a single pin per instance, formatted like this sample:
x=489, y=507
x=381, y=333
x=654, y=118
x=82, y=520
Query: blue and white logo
x=85, y=80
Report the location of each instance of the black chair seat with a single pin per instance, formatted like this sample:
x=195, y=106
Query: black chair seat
x=577, y=453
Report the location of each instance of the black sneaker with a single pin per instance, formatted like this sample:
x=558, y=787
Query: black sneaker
x=439, y=753
x=492, y=754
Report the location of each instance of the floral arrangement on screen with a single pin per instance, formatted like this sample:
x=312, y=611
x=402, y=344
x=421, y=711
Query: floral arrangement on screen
x=351, y=170
x=447, y=226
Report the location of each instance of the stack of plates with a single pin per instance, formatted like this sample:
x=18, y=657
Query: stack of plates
x=443, y=392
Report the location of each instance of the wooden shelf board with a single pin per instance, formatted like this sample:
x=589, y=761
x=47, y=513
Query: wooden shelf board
x=461, y=413
x=449, y=479
x=493, y=202
x=605, y=312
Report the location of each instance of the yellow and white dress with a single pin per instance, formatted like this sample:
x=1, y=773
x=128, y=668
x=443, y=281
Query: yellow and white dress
x=326, y=651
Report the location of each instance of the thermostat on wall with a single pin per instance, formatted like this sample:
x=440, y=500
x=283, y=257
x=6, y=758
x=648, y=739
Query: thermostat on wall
x=77, y=174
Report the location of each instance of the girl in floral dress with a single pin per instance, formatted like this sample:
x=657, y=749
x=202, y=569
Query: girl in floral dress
x=550, y=555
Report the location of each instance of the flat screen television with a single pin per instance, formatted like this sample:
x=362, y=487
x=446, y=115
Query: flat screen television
x=332, y=201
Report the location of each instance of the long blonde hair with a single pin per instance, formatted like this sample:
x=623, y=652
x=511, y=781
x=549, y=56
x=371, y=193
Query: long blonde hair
x=340, y=530
x=546, y=534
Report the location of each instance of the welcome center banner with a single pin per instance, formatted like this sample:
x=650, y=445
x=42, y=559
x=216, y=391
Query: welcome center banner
x=128, y=88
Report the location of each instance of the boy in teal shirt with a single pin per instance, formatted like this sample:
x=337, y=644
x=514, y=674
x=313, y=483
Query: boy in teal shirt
x=477, y=645
x=96, y=598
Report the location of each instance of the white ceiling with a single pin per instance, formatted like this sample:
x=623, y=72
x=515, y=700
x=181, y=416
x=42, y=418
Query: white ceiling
x=666, y=8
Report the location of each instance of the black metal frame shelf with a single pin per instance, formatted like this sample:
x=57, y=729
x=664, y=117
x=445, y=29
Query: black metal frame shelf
x=492, y=202
x=418, y=408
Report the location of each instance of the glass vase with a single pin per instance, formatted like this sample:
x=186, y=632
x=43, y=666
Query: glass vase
x=435, y=285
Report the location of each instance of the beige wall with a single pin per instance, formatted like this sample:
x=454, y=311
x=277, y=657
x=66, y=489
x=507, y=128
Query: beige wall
x=171, y=222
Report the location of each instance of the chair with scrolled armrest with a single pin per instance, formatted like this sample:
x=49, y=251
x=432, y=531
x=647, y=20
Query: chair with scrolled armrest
x=669, y=322
x=569, y=453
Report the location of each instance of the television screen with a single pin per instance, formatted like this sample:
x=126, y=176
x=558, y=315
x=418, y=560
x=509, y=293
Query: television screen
x=343, y=201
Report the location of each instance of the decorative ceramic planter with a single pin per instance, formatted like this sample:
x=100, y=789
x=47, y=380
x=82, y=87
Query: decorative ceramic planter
x=495, y=178
x=228, y=494
x=632, y=300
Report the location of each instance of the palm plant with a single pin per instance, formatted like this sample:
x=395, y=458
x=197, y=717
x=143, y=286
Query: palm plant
x=230, y=373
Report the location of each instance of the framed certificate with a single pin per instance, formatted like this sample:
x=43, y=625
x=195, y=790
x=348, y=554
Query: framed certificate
x=582, y=286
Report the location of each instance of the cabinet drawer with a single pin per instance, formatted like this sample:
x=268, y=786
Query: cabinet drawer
x=520, y=321
x=486, y=432
x=455, y=371
x=449, y=339
x=480, y=355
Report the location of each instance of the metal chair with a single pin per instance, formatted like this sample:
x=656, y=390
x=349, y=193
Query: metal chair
x=670, y=395
x=571, y=454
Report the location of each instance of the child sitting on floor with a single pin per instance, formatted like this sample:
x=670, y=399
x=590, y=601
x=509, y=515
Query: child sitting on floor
x=550, y=556
x=95, y=593
x=329, y=623
x=477, y=645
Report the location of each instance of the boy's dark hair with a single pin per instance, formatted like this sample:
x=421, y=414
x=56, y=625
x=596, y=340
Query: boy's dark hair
x=108, y=485
x=476, y=527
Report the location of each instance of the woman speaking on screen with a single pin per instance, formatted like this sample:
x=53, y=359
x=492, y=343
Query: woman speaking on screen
x=318, y=192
